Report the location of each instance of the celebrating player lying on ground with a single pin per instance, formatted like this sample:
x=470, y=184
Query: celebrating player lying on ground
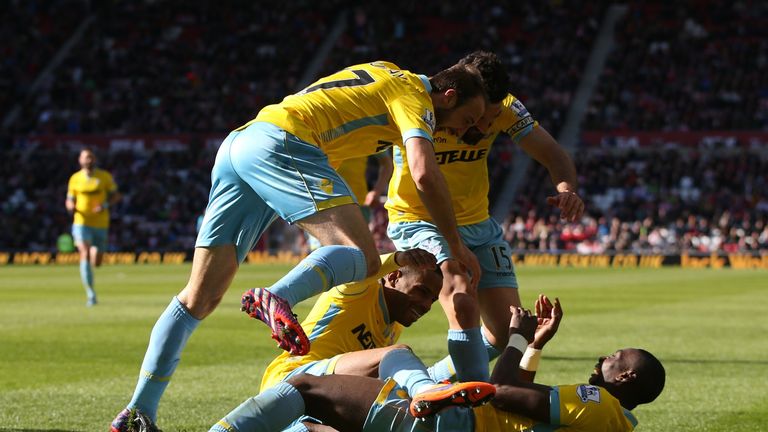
x=619, y=383
x=280, y=165
x=463, y=161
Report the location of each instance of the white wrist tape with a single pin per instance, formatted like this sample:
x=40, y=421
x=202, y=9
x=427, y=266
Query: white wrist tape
x=530, y=360
x=518, y=342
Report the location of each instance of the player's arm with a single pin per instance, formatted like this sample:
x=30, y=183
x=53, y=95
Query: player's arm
x=512, y=393
x=433, y=191
x=113, y=196
x=386, y=167
x=548, y=315
x=542, y=147
x=69, y=202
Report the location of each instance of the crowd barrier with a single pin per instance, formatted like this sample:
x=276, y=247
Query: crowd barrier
x=520, y=258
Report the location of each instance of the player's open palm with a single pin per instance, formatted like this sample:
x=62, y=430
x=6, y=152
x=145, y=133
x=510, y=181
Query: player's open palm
x=418, y=258
x=548, y=316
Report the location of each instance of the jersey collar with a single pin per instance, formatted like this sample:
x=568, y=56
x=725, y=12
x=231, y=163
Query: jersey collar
x=425, y=81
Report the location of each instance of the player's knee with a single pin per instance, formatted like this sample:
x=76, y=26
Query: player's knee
x=199, y=303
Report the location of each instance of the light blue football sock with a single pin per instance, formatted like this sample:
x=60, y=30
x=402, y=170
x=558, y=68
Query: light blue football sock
x=86, y=275
x=406, y=369
x=445, y=370
x=323, y=269
x=469, y=355
x=272, y=410
x=169, y=336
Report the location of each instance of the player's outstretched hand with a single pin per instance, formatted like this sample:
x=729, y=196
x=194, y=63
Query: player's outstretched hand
x=469, y=262
x=523, y=322
x=570, y=204
x=548, y=316
x=418, y=258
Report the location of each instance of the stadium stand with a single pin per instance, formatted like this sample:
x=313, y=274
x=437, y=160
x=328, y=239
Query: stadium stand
x=176, y=67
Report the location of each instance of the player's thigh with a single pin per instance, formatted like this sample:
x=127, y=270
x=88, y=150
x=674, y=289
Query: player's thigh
x=422, y=235
x=235, y=214
x=363, y=363
x=340, y=401
x=486, y=240
x=341, y=225
x=292, y=176
x=98, y=245
x=83, y=239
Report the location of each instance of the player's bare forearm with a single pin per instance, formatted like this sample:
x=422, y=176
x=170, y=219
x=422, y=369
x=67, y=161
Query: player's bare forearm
x=432, y=189
x=542, y=147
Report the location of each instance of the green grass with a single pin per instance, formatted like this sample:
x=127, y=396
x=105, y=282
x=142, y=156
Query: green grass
x=65, y=367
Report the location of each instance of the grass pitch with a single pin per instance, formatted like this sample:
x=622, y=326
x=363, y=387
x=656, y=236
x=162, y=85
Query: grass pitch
x=65, y=367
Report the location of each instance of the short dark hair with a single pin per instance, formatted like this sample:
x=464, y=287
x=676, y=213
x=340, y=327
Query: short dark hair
x=466, y=81
x=492, y=71
x=651, y=378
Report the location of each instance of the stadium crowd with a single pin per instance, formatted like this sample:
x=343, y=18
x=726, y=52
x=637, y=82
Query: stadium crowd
x=212, y=68
x=659, y=200
x=687, y=65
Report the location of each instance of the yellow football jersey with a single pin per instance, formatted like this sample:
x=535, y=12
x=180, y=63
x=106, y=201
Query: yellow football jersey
x=353, y=172
x=464, y=166
x=578, y=407
x=357, y=111
x=346, y=318
x=89, y=192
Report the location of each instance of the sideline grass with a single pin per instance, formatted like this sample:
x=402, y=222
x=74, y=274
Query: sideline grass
x=65, y=367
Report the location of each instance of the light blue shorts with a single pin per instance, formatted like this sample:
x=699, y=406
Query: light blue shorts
x=485, y=239
x=96, y=237
x=390, y=413
x=316, y=368
x=263, y=172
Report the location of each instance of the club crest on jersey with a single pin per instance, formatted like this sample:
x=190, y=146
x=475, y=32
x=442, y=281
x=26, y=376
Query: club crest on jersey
x=588, y=393
x=432, y=246
x=429, y=119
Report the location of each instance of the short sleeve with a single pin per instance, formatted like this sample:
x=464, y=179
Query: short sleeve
x=414, y=116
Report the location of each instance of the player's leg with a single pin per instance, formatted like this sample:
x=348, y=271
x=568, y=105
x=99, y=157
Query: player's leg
x=459, y=301
x=234, y=219
x=82, y=236
x=296, y=180
x=363, y=363
x=339, y=401
x=497, y=290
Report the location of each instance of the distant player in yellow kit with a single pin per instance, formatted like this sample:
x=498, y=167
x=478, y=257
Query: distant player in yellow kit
x=90, y=193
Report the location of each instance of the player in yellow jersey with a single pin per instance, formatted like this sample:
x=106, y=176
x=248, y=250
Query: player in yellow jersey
x=620, y=381
x=351, y=325
x=363, y=315
x=281, y=165
x=90, y=193
x=463, y=160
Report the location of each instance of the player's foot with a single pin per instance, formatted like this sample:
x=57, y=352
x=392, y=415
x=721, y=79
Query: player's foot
x=91, y=302
x=441, y=396
x=276, y=313
x=132, y=420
